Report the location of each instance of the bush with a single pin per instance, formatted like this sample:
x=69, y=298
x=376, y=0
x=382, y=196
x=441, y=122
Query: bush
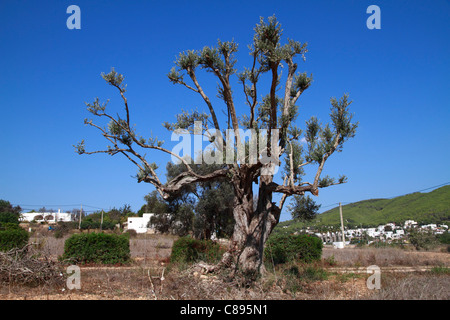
x=188, y=250
x=63, y=228
x=13, y=237
x=296, y=279
x=285, y=248
x=97, y=248
x=90, y=224
x=9, y=217
x=9, y=226
x=425, y=240
x=444, y=238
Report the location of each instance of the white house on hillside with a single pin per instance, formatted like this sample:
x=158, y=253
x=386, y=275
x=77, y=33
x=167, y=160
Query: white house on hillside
x=410, y=224
x=46, y=216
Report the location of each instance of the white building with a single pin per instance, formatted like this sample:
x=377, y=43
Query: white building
x=46, y=216
x=140, y=224
x=431, y=226
x=371, y=232
x=410, y=223
x=388, y=234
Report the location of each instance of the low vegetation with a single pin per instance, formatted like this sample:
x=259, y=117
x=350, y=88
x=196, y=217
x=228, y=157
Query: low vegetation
x=12, y=236
x=189, y=250
x=150, y=274
x=97, y=248
x=286, y=248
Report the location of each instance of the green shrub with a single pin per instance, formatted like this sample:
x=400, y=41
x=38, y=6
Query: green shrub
x=440, y=270
x=285, y=248
x=9, y=217
x=90, y=224
x=97, y=248
x=296, y=278
x=444, y=238
x=13, y=237
x=311, y=273
x=9, y=226
x=188, y=250
x=423, y=240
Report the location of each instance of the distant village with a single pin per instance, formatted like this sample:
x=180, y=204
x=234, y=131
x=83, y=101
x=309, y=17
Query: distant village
x=386, y=232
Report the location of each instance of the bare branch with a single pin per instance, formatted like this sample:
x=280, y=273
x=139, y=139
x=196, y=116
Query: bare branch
x=191, y=73
x=324, y=158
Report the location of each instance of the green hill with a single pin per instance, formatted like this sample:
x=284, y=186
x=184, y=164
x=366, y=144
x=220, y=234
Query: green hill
x=425, y=208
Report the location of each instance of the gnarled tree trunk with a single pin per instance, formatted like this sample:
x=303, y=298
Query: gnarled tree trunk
x=253, y=224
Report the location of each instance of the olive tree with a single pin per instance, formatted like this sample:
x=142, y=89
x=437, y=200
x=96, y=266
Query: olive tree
x=270, y=116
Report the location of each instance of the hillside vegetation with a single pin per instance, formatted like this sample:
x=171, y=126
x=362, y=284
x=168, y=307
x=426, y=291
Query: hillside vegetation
x=425, y=208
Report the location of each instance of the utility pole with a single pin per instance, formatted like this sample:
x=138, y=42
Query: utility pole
x=342, y=224
x=79, y=220
x=101, y=222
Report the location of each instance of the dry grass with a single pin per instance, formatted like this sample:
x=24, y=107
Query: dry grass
x=384, y=257
x=149, y=248
x=426, y=286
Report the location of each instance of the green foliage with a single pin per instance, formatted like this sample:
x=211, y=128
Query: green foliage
x=6, y=206
x=204, y=208
x=88, y=224
x=296, y=149
x=312, y=273
x=115, y=79
x=12, y=236
x=9, y=217
x=423, y=240
x=97, y=248
x=296, y=278
x=440, y=270
x=189, y=250
x=110, y=219
x=303, y=208
x=9, y=226
x=285, y=248
x=214, y=210
x=444, y=238
x=8, y=213
x=154, y=203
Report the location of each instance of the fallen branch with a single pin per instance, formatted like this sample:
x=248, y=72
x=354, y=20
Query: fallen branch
x=28, y=266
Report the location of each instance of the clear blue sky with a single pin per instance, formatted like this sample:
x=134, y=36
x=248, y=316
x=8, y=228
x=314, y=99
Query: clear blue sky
x=397, y=77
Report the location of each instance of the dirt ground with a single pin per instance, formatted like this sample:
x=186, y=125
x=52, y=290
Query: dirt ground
x=151, y=277
x=138, y=284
